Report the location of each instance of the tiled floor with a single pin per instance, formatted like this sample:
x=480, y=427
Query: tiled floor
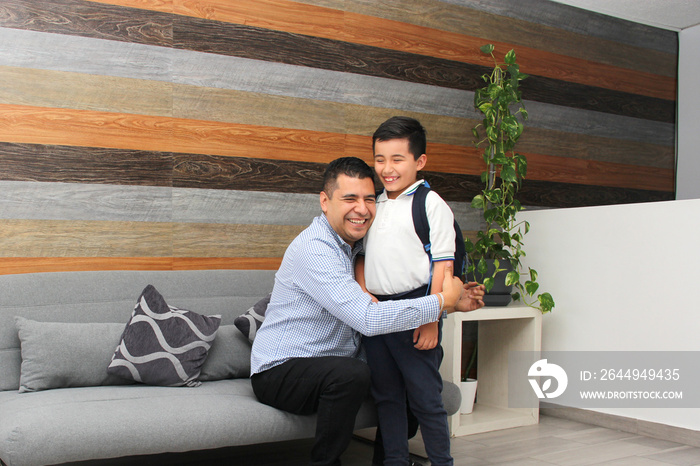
x=553, y=441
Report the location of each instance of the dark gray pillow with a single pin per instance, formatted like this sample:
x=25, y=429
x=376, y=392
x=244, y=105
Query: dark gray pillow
x=163, y=345
x=66, y=354
x=250, y=321
x=229, y=356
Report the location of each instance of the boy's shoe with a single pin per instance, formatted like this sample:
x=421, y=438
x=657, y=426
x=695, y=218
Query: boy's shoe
x=415, y=460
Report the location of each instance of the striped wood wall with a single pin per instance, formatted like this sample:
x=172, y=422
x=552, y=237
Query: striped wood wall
x=192, y=134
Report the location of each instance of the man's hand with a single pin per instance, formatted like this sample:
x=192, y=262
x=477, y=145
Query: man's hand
x=472, y=298
x=451, y=289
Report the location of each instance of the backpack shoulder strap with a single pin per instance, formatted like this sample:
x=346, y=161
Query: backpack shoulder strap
x=420, y=217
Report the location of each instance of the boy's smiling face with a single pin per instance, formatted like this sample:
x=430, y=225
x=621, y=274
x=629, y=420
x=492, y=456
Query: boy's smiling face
x=396, y=166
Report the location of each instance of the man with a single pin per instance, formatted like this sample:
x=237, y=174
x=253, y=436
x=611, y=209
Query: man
x=307, y=356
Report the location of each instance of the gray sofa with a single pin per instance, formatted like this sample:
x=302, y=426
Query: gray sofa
x=69, y=313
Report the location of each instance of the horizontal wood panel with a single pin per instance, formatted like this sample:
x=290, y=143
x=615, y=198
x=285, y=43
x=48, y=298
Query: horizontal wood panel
x=81, y=201
x=58, y=163
x=401, y=36
x=327, y=54
x=191, y=68
x=104, y=93
x=120, y=131
x=81, y=91
x=543, y=193
x=376, y=59
x=20, y=124
x=88, y=19
x=531, y=23
x=30, y=200
x=62, y=238
x=17, y=265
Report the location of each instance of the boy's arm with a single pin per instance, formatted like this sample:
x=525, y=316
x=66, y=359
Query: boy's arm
x=425, y=337
x=360, y=275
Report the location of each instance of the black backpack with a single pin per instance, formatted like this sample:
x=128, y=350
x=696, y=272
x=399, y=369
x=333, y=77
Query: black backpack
x=422, y=227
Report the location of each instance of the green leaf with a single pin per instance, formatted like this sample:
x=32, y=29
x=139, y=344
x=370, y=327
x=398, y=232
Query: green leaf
x=510, y=57
x=533, y=275
x=512, y=278
x=531, y=287
x=482, y=267
x=515, y=296
x=546, y=302
x=508, y=174
x=488, y=283
x=478, y=202
x=488, y=48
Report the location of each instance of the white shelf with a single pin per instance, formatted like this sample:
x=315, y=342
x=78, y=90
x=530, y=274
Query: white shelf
x=501, y=330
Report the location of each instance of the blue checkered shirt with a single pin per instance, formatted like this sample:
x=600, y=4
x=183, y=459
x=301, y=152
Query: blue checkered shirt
x=318, y=309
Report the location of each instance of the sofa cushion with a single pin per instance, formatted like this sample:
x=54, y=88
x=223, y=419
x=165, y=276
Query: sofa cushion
x=251, y=320
x=60, y=354
x=163, y=345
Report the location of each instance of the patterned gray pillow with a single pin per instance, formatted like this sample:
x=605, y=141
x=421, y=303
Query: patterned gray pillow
x=250, y=321
x=163, y=345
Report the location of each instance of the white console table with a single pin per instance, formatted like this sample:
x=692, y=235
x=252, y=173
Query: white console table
x=501, y=330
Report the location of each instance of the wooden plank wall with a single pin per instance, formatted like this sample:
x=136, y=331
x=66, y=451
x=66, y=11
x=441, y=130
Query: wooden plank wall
x=192, y=134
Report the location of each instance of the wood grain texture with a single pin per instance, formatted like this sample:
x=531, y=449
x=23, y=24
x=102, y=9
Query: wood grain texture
x=68, y=238
x=21, y=124
x=414, y=58
x=30, y=49
x=62, y=238
x=241, y=173
x=103, y=93
x=581, y=22
x=71, y=164
x=187, y=134
x=231, y=173
x=468, y=161
x=29, y=200
x=88, y=19
x=328, y=54
x=244, y=207
x=543, y=193
x=61, y=89
x=215, y=71
x=79, y=201
x=538, y=24
x=17, y=265
x=232, y=240
x=215, y=139
x=462, y=188
x=425, y=39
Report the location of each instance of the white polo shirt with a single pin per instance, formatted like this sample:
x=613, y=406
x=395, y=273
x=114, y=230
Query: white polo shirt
x=395, y=261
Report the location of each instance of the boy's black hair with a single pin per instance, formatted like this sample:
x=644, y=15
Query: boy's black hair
x=348, y=166
x=402, y=127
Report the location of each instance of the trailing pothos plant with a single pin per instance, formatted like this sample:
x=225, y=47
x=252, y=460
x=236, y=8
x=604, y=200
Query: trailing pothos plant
x=500, y=102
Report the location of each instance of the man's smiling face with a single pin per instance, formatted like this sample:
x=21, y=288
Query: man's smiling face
x=350, y=208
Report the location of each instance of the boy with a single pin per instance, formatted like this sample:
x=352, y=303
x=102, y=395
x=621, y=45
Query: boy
x=404, y=365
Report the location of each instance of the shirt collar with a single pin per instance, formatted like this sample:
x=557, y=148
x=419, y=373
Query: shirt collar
x=407, y=192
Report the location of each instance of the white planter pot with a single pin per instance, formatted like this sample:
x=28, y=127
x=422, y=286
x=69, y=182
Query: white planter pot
x=468, y=395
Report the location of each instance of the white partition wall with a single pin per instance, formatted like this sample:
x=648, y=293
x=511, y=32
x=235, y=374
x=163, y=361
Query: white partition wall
x=624, y=278
x=688, y=162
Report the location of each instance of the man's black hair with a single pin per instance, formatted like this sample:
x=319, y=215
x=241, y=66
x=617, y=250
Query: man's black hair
x=348, y=166
x=403, y=127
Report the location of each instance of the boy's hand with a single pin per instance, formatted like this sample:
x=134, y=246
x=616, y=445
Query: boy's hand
x=472, y=298
x=425, y=337
x=451, y=289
